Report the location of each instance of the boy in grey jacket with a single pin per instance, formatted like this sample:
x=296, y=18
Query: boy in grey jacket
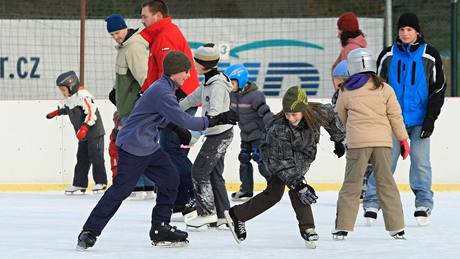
x=255, y=115
x=208, y=182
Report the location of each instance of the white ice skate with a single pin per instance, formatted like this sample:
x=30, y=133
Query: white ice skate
x=339, y=234
x=200, y=221
x=370, y=216
x=75, y=190
x=99, y=187
x=422, y=216
x=311, y=238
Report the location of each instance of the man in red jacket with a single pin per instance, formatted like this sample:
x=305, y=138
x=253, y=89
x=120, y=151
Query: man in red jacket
x=164, y=36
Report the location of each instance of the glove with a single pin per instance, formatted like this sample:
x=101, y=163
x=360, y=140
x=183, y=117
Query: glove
x=256, y=155
x=427, y=128
x=228, y=117
x=53, y=114
x=306, y=193
x=81, y=134
x=405, y=148
x=184, y=135
x=339, y=149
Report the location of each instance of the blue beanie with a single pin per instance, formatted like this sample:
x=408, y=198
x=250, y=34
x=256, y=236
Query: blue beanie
x=115, y=22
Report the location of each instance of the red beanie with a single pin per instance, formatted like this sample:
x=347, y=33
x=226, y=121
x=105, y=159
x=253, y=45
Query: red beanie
x=348, y=22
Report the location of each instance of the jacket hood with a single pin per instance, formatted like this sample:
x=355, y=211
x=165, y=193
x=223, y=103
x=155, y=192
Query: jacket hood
x=223, y=78
x=360, y=41
x=249, y=88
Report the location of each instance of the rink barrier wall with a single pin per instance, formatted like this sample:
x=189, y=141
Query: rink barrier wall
x=39, y=154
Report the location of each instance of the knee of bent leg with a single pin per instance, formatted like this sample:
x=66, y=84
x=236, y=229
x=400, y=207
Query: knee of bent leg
x=244, y=156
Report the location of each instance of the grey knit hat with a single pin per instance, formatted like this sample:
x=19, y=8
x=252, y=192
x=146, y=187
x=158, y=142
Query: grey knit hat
x=176, y=62
x=207, y=55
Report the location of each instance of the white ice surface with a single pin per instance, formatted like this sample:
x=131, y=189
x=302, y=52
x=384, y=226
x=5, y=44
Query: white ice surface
x=46, y=225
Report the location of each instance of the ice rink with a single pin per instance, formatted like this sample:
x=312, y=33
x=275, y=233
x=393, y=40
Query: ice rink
x=46, y=225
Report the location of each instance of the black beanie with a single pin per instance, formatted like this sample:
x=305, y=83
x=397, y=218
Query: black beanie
x=176, y=62
x=408, y=19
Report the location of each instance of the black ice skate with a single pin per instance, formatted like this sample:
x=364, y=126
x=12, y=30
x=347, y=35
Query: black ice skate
x=99, y=188
x=75, y=190
x=339, y=234
x=311, y=238
x=399, y=234
x=370, y=216
x=165, y=235
x=236, y=226
x=241, y=196
x=86, y=239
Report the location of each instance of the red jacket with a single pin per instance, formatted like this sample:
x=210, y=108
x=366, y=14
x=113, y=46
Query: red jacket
x=164, y=36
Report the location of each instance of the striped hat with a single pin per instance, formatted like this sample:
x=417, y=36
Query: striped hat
x=207, y=55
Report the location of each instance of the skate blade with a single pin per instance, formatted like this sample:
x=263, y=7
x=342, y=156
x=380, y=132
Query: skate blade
x=399, y=237
x=311, y=244
x=422, y=221
x=202, y=228
x=241, y=199
x=168, y=244
x=74, y=193
x=231, y=226
x=81, y=248
x=369, y=222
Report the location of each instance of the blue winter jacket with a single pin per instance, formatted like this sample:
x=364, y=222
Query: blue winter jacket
x=156, y=108
x=416, y=75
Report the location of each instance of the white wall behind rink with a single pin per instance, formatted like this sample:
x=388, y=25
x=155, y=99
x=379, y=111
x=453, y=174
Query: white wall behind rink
x=37, y=150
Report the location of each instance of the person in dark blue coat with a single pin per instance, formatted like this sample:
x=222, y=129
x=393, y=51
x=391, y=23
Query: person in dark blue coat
x=140, y=153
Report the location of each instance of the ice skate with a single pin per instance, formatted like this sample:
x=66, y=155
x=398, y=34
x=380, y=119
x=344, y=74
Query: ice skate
x=199, y=221
x=236, y=226
x=99, y=188
x=165, y=235
x=75, y=190
x=241, y=196
x=422, y=216
x=339, y=234
x=370, y=216
x=398, y=234
x=311, y=238
x=189, y=212
x=137, y=195
x=86, y=239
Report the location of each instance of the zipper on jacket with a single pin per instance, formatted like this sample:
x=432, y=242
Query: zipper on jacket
x=413, y=73
x=399, y=71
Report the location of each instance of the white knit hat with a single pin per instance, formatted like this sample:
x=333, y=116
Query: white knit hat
x=207, y=55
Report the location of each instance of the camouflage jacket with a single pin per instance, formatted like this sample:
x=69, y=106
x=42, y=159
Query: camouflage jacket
x=289, y=150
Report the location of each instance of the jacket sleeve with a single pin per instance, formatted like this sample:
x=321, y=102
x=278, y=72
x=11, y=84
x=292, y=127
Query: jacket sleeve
x=278, y=155
x=192, y=100
x=263, y=110
x=89, y=108
x=216, y=99
x=340, y=108
x=137, y=58
x=437, y=86
x=383, y=63
x=394, y=114
x=333, y=124
x=172, y=112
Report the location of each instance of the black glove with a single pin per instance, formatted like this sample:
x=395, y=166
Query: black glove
x=306, y=193
x=184, y=134
x=427, y=128
x=339, y=149
x=228, y=117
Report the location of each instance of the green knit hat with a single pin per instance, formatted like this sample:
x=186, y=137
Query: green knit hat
x=295, y=100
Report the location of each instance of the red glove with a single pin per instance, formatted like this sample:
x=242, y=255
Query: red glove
x=405, y=148
x=53, y=114
x=81, y=134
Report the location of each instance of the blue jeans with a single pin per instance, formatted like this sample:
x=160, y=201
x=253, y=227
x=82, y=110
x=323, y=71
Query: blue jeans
x=246, y=170
x=419, y=175
x=170, y=143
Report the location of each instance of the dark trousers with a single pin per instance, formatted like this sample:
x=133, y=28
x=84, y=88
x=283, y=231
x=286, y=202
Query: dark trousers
x=269, y=197
x=157, y=167
x=90, y=152
x=207, y=175
x=246, y=170
x=170, y=143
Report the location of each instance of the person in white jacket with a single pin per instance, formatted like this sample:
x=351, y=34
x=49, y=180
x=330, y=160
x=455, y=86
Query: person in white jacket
x=207, y=170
